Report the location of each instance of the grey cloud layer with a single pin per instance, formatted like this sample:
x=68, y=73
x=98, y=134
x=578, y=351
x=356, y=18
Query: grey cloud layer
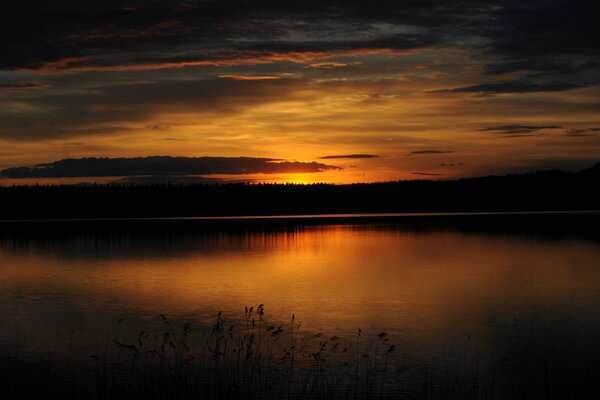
x=163, y=165
x=555, y=36
x=120, y=33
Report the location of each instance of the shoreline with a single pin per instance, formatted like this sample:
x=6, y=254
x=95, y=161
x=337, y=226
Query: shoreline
x=546, y=221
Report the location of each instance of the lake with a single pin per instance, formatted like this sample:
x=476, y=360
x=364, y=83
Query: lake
x=513, y=303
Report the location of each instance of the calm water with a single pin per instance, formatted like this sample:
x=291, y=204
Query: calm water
x=441, y=293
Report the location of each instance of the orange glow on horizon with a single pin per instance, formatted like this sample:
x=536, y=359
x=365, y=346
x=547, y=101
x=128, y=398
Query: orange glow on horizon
x=415, y=132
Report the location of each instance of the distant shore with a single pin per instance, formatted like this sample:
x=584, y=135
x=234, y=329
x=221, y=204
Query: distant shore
x=533, y=195
x=550, y=223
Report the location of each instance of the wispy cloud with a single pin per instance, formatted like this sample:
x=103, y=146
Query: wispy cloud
x=111, y=104
x=582, y=132
x=516, y=86
x=519, y=130
x=328, y=65
x=250, y=77
x=421, y=152
x=12, y=86
x=451, y=164
x=351, y=156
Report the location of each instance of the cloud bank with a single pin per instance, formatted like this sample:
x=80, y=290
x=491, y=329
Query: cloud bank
x=163, y=166
x=561, y=36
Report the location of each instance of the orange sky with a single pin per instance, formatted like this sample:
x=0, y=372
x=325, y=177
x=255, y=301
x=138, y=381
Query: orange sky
x=427, y=106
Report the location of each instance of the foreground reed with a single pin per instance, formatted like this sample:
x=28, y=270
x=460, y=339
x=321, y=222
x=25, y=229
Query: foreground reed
x=251, y=361
x=255, y=359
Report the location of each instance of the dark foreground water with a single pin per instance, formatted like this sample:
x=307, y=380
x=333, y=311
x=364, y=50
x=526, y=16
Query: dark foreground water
x=506, y=309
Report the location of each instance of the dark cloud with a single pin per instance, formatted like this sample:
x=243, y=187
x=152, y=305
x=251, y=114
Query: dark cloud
x=163, y=166
x=11, y=86
x=544, y=36
x=171, y=33
x=421, y=152
x=348, y=156
x=393, y=42
x=582, y=132
x=516, y=86
x=519, y=130
x=541, y=67
x=158, y=127
x=532, y=35
x=522, y=135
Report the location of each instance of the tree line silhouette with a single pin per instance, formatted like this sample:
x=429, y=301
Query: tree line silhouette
x=535, y=191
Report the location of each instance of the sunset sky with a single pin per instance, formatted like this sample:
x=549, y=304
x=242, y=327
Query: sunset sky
x=297, y=91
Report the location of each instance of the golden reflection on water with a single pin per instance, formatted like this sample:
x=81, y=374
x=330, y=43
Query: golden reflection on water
x=417, y=286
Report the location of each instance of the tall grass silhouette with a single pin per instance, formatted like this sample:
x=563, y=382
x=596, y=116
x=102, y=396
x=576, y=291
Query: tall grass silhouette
x=256, y=360
x=252, y=358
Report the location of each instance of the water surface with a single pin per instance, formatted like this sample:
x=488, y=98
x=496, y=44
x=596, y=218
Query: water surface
x=441, y=292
